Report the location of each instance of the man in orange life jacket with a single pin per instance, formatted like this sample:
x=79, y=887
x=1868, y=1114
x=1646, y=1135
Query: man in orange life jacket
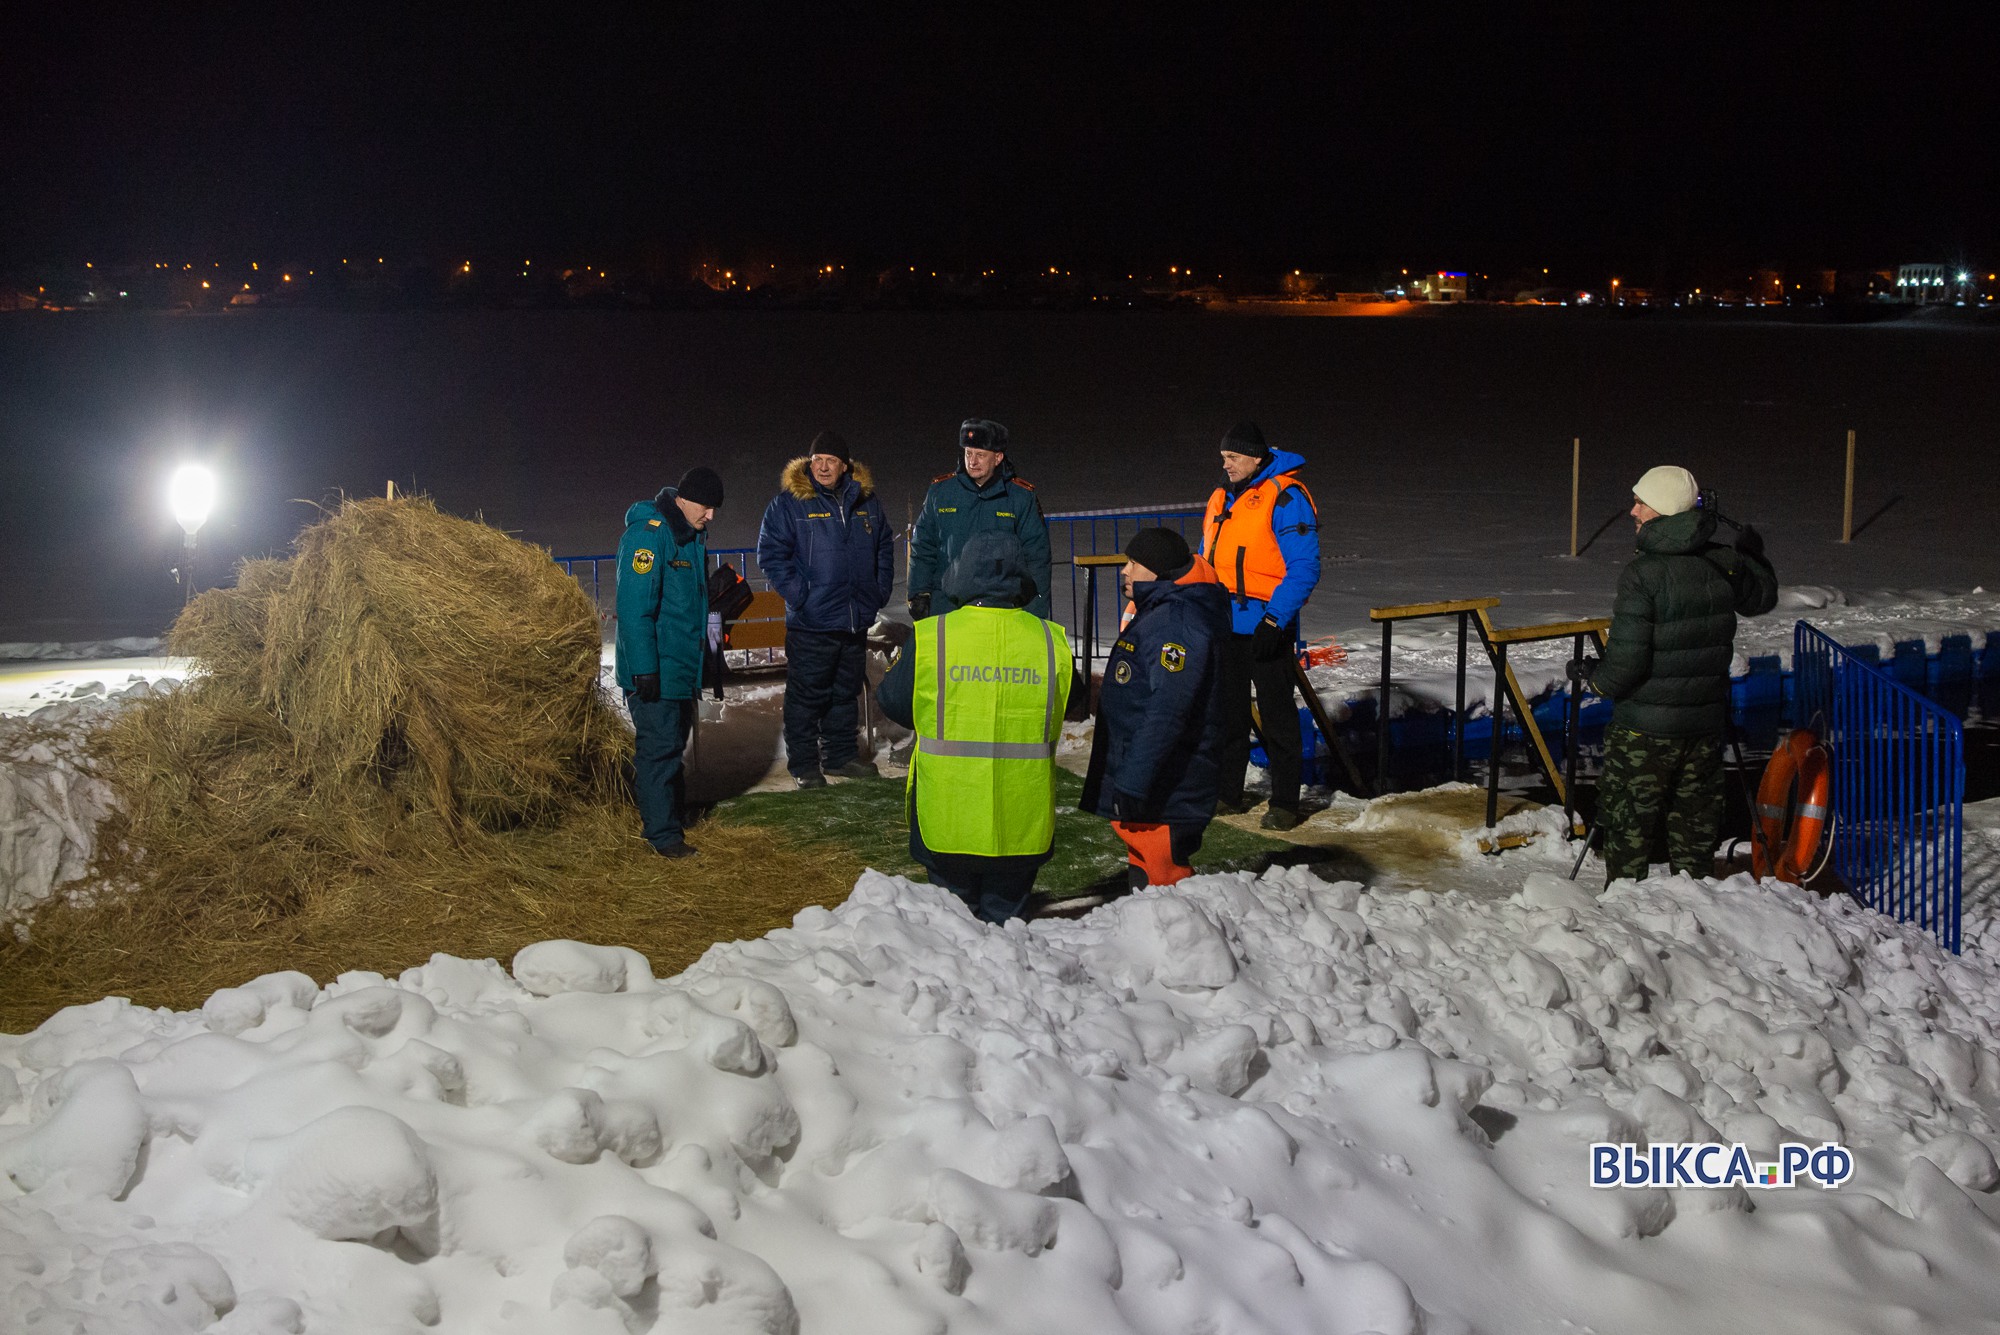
x=1261, y=534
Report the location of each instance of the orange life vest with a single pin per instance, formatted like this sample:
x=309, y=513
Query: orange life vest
x=1239, y=541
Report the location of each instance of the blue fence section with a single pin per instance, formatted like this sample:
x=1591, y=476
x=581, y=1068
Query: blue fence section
x=1098, y=532
x=599, y=574
x=1898, y=782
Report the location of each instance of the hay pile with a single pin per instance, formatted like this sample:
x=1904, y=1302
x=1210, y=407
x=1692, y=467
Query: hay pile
x=407, y=676
x=396, y=743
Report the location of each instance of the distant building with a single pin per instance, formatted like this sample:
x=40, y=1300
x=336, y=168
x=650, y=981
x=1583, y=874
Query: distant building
x=1920, y=283
x=1444, y=285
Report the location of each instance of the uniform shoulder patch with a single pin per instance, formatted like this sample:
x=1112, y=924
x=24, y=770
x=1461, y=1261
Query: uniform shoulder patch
x=1022, y=482
x=652, y=523
x=944, y=477
x=1173, y=657
x=642, y=561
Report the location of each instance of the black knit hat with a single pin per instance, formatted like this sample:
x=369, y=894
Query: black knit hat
x=1162, y=551
x=700, y=486
x=979, y=433
x=1246, y=438
x=830, y=442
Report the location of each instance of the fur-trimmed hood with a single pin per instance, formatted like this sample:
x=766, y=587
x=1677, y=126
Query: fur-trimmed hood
x=798, y=479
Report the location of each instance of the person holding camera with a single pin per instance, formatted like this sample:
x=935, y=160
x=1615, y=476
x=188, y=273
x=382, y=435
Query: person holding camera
x=1666, y=666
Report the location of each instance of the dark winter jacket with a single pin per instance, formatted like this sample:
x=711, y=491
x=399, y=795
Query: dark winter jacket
x=828, y=552
x=999, y=581
x=1673, y=627
x=1160, y=714
x=955, y=508
x=662, y=598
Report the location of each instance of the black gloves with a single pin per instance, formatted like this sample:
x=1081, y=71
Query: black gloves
x=920, y=606
x=1750, y=542
x=1270, y=641
x=1125, y=807
x=646, y=685
x=1581, y=670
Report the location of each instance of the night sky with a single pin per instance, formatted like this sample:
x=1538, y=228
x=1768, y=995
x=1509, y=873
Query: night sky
x=966, y=136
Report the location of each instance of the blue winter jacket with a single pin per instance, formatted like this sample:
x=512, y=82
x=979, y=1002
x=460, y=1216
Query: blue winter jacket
x=1160, y=720
x=662, y=598
x=1297, y=526
x=829, y=553
x=955, y=508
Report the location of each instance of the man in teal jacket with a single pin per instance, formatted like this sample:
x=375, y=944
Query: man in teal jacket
x=1666, y=665
x=982, y=495
x=662, y=632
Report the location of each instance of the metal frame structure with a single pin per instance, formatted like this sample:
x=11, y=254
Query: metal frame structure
x=1476, y=613
x=1898, y=764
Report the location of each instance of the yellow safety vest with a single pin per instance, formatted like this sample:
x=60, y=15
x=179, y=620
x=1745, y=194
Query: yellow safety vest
x=988, y=704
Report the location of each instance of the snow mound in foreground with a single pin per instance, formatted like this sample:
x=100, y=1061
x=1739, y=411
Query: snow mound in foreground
x=1238, y=1105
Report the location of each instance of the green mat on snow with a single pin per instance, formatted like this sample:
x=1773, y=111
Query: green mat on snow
x=866, y=816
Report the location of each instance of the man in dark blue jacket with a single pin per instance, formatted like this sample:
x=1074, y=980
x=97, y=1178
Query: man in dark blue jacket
x=1154, y=757
x=826, y=547
x=982, y=495
x=662, y=630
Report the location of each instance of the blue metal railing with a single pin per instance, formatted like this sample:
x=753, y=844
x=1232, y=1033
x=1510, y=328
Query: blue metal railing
x=599, y=574
x=1898, y=783
x=1094, y=604
x=1073, y=534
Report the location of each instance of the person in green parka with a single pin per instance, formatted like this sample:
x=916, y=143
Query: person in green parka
x=1666, y=666
x=662, y=632
x=982, y=495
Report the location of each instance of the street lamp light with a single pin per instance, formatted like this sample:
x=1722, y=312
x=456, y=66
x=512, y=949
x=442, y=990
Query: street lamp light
x=191, y=495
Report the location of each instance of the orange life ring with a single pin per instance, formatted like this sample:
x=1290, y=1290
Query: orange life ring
x=1794, y=804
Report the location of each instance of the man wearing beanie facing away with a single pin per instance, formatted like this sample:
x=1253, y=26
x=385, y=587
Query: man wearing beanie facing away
x=662, y=631
x=1159, y=734
x=826, y=547
x=1261, y=535
x=1666, y=665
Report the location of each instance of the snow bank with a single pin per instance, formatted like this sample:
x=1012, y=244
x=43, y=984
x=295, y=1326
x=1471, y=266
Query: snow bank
x=50, y=650
x=1241, y=1104
x=50, y=804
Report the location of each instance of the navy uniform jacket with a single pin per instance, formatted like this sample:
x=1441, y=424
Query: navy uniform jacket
x=955, y=509
x=828, y=553
x=1159, y=716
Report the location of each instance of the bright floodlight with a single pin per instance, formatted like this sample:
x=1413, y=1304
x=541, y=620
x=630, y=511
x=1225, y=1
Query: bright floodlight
x=192, y=496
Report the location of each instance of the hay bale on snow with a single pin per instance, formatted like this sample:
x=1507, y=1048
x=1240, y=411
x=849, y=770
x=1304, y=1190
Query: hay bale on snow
x=405, y=672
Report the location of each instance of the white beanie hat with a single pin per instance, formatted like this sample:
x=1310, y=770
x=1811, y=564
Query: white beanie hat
x=1668, y=489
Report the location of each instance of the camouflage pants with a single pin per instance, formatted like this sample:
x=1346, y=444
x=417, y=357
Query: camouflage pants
x=1653, y=781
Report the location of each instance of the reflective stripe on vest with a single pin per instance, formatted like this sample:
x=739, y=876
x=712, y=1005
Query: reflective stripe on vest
x=1246, y=555
x=990, y=683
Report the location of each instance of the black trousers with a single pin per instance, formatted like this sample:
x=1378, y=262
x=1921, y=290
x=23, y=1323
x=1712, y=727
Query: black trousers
x=659, y=778
x=1277, y=706
x=823, y=675
x=995, y=888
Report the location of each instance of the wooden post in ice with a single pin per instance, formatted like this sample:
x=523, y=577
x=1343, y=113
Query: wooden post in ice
x=1847, y=509
x=1575, y=485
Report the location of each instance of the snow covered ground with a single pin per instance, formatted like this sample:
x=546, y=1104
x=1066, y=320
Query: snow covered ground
x=1275, y=1104
x=1239, y=1105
